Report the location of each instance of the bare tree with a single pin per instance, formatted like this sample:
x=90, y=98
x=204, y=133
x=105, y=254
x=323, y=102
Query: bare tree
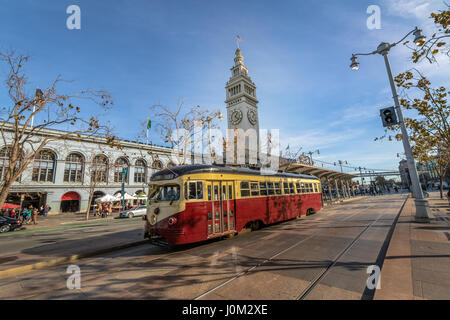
x=178, y=126
x=288, y=157
x=23, y=140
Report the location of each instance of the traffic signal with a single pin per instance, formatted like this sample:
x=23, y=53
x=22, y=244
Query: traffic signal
x=388, y=116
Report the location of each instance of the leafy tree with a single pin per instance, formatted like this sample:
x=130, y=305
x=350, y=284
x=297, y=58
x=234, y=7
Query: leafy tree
x=437, y=43
x=429, y=131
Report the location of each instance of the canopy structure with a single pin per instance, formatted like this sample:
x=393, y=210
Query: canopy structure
x=10, y=206
x=107, y=198
x=141, y=196
x=126, y=196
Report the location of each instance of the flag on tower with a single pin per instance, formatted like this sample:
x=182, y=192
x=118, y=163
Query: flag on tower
x=239, y=39
x=149, y=124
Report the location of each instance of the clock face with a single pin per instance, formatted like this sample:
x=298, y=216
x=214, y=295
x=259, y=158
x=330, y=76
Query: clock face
x=236, y=116
x=252, y=117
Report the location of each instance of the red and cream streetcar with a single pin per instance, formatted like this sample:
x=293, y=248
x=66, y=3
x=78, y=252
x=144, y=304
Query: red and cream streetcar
x=194, y=203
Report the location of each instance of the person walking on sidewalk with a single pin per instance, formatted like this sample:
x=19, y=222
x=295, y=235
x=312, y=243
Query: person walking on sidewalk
x=448, y=196
x=46, y=209
x=34, y=215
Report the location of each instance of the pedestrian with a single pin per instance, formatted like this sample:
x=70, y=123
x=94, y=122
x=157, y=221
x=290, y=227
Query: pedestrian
x=34, y=215
x=45, y=210
x=110, y=209
x=24, y=214
x=12, y=213
x=448, y=196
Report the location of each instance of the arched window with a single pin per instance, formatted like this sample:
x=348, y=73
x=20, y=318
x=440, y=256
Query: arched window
x=170, y=165
x=44, y=166
x=140, y=171
x=121, y=163
x=73, y=171
x=99, y=172
x=157, y=165
x=4, y=162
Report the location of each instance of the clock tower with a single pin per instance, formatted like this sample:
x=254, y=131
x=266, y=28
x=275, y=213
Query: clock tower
x=242, y=105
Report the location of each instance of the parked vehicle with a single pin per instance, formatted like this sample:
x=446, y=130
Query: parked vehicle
x=134, y=212
x=9, y=224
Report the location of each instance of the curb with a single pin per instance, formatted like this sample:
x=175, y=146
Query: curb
x=74, y=257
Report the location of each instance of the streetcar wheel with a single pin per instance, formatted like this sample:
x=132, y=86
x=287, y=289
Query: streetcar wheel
x=256, y=225
x=310, y=211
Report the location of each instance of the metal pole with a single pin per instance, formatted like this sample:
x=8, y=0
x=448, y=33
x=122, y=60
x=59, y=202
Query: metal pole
x=422, y=209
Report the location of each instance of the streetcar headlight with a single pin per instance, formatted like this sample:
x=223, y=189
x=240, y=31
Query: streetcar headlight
x=172, y=221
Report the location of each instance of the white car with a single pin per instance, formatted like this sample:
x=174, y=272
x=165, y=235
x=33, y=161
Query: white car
x=134, y=212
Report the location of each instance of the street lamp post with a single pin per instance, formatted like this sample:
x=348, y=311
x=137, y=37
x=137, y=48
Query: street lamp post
x=310, y=155
x=423, y=213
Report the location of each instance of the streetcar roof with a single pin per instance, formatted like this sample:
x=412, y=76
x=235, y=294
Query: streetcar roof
x=172, y=173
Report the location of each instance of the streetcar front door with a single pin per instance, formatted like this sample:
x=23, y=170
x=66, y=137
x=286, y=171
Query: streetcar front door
x=221, y=215
x=228, y=210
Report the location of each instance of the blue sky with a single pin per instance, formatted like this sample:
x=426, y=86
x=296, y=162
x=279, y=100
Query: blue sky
x=298, y=54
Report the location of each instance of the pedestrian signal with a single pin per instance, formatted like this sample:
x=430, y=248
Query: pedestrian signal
x=388, y=116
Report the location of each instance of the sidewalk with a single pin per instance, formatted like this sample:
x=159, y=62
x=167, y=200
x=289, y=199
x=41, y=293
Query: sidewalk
x=417, y=263
x=63, y=219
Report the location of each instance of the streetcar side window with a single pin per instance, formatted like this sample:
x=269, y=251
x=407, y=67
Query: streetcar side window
x=263, y=188
x=291, y=188
x=277, y=187
x=303, y=187
x=230, y=192
x=286, y=187
x=245, y=189
x=270, y=188
x=199, y=190
x=297, y=185
x=309, y=187
x=254, y=189
x=315, y=188
x=193, y=190
x=209, y=193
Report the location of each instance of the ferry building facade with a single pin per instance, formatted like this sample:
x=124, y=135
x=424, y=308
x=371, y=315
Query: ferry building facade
x=61, y=175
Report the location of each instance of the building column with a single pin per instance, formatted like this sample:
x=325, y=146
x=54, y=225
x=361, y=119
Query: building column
x=353, y=189
x=329, y=190
x=337, y=190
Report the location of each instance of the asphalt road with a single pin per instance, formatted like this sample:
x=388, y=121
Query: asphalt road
x=324, y=256
x=25, y=247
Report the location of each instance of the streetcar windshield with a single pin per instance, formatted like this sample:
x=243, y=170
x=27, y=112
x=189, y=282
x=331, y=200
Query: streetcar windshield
x=165, y=193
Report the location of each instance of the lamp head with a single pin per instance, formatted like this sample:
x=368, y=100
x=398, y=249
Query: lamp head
x=355, y=64
x=419, y=38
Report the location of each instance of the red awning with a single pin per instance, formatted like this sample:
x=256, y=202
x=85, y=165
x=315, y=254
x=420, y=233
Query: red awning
x=70, y=196
x=10, y=206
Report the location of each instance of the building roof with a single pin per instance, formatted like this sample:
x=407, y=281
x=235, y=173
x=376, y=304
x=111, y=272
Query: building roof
x=302, y=168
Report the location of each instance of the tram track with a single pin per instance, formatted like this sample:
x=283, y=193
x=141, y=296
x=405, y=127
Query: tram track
x=306, y=292
x=330, y=222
